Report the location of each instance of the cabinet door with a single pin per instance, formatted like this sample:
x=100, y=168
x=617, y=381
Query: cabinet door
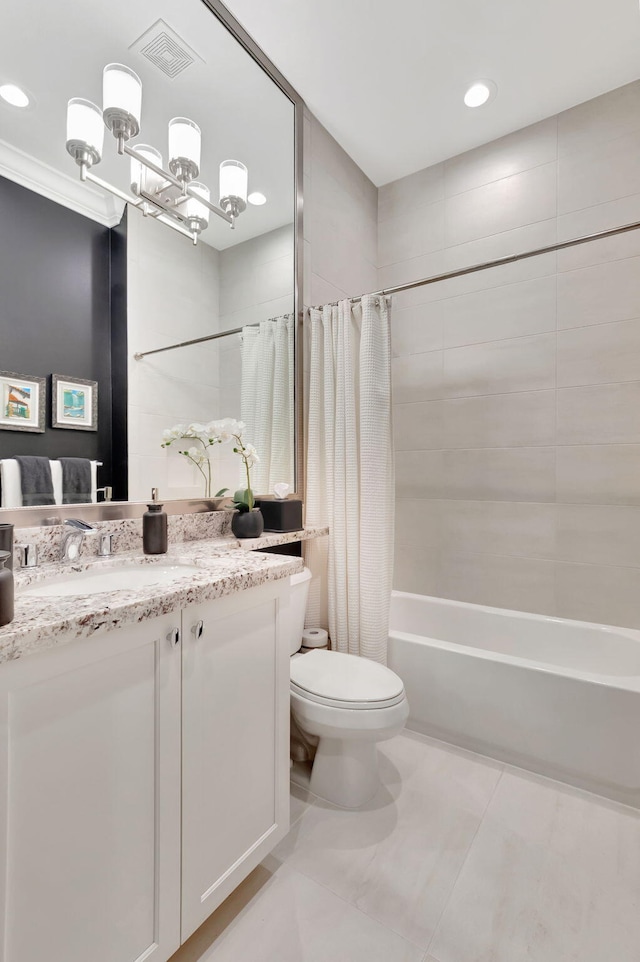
x=90, y=799
x=235, y=743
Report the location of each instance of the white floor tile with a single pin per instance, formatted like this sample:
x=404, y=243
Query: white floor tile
x=553, y=875
x=286, y=917
x=398, y=859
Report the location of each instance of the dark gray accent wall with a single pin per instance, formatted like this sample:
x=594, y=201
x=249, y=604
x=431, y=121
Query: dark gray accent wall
x=59, y=315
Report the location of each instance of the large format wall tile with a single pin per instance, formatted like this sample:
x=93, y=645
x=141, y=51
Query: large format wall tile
x=507, y=311
x=501, y=367
x=419, y=474
x=599, y=354
x=500, y=474
x=599, y=474
x=599, y=294
x=417, y=377
x=522, y=584
x=518, y=529
x=500, y=420
x=517, y=152
x=600, y=593
x=502, y=205
x=611, y=169
x=599, y=414
x=417, y=426
x=601, y=534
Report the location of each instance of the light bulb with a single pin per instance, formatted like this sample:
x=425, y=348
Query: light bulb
x=184, y=149
x=121, y=100
x=197, y=214
x=233, y=186
x=257, y=199
x=85, y=131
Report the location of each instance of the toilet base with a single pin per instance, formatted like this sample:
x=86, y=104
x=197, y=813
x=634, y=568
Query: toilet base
x=345, y=771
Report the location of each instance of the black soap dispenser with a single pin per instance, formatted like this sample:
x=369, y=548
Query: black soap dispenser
x=154, y=527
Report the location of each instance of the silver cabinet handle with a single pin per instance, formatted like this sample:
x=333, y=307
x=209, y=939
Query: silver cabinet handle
x=198, y=629
x=174, y=637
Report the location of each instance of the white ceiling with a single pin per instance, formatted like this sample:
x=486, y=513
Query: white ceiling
x=387, y=78
x=57, y=51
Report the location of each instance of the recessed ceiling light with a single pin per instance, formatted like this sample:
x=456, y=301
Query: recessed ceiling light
x=480, y=93
x=14, y=95
x=257, y=198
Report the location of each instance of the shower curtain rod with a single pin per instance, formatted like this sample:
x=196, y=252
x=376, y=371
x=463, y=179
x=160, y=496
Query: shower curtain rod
x=200, y=340
x=500, y=261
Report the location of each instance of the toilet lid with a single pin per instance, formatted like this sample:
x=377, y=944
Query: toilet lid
x=346, y=681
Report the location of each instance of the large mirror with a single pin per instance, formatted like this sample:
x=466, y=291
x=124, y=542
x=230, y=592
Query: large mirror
x=96, y=293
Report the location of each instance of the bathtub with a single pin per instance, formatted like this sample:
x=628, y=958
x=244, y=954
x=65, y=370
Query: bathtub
x=551, y=695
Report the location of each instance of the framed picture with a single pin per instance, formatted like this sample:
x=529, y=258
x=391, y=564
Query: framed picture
x=74, y=403
x=22, y=402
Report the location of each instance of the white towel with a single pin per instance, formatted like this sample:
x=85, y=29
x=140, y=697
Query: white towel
x=12, y=483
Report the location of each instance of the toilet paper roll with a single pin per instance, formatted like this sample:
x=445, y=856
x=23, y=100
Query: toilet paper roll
x=314, y=638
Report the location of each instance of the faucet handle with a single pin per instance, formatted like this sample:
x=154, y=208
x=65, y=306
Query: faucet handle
x=105, y=548
x=27, y=555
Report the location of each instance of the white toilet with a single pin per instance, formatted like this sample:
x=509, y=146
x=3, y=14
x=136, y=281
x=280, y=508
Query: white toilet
x=344, y=705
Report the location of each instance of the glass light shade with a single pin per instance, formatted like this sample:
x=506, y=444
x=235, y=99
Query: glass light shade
x=85, y=129
x=193, y=209
x=234, y=179
x=122, y=91
x=184, y=144
x=142, y=178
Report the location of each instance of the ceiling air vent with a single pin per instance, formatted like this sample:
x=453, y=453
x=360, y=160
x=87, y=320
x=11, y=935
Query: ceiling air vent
x=164, y=48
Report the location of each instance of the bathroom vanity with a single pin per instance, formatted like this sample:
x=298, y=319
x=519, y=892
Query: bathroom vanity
x=144, y=756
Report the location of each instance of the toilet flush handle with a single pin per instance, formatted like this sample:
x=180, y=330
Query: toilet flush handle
x=197, y=629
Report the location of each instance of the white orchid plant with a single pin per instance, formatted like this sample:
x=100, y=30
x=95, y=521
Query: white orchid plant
x=206, y=436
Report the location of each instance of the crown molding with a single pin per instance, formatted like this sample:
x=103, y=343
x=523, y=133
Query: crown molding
x=84, y=199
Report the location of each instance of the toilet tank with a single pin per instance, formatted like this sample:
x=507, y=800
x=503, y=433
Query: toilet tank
x=297, y=608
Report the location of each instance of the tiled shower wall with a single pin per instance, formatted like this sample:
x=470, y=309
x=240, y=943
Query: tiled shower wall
x=517, y=390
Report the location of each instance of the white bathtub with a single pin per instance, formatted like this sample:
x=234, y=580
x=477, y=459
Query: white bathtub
x=555, y=696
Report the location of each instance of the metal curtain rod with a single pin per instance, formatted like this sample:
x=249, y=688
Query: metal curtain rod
x=201, y=340
x=510, y=259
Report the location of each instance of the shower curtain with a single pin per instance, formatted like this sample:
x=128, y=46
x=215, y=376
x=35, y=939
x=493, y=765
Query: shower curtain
x=266, y=405
x=350, y=472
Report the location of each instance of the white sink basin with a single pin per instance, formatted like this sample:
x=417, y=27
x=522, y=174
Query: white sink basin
x=93, y=582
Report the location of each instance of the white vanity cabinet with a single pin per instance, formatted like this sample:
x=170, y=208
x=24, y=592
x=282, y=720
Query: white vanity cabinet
x=143, y=774
x=235, y=745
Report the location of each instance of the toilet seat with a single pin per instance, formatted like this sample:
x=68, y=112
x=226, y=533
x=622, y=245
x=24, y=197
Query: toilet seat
x=345, y=681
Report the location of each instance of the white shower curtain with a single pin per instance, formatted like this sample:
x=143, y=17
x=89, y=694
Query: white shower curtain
x=350, y=472
x=266, y=406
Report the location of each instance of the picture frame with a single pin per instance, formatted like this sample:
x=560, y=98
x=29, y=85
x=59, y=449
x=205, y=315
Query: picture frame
x=23, y=402
x=74, y=403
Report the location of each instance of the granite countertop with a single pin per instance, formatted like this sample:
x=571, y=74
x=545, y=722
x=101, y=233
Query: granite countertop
x=225, y=565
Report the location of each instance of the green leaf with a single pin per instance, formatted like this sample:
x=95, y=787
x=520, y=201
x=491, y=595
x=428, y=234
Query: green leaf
x=221, y=492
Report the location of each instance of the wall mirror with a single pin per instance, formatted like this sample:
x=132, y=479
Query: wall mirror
x=92, y=292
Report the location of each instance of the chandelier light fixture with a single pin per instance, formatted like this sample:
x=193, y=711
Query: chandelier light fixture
x=175, y=197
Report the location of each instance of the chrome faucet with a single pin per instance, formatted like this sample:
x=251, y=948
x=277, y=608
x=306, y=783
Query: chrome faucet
x=73, y=541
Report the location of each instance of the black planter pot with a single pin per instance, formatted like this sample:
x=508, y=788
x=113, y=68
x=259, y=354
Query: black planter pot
x=248, y=524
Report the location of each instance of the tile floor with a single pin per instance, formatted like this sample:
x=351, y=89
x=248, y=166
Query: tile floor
x=457, y=859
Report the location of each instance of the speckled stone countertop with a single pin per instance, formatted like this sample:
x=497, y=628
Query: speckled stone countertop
x=225, y=565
